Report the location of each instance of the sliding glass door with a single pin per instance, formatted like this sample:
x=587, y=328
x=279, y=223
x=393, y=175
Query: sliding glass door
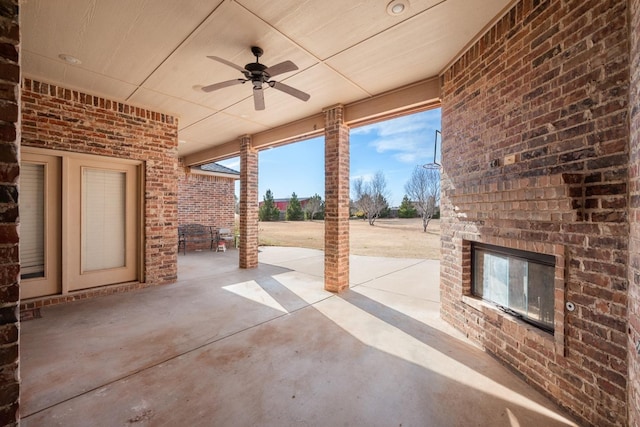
x=80, y=222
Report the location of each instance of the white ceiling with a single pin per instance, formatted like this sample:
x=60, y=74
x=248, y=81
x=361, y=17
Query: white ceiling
x=151, y=53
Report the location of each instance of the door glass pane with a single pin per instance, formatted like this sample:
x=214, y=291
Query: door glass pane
x=103, y=219
x=31, y=221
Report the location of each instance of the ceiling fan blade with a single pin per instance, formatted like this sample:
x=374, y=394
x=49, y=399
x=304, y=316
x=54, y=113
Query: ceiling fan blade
x=258, y=98
x=283, y=67
x=220, y=85
x=228, y=63
x=290, y=90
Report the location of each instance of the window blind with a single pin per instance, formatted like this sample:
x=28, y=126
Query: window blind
x=103, y=219
x=32, y=220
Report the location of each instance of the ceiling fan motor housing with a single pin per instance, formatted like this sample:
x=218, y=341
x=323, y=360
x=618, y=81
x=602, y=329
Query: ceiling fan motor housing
x=257, y=74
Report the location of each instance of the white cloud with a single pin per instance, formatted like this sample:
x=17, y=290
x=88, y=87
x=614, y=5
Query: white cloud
x=407, y=157
x=396, y=143
x=419, y=122
x=366, y=177
x=407, y=139
x=233, y=164
x=363, y=130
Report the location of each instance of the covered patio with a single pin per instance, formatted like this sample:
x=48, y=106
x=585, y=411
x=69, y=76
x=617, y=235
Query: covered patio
x=540, y=160
x=268, y=346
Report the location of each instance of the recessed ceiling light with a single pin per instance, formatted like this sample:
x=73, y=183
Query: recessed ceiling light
x=69, y=59
x=397, y=7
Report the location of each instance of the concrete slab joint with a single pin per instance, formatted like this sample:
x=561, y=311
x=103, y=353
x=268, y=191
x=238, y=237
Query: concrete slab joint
x=336, y=228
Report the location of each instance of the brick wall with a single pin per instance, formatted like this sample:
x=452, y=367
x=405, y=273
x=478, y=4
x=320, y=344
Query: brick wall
x=547, y=84
x=57, y=118
x=206, y=200
x=9, y=171
x=634, y=216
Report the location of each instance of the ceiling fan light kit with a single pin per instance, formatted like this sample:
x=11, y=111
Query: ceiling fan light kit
x=259, y=75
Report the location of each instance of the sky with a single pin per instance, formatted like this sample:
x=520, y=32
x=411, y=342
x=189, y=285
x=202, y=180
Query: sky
x=394, y=147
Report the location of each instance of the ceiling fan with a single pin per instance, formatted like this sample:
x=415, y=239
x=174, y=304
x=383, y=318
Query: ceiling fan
x=259, y=75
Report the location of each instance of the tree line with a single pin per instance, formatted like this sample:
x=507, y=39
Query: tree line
x=369, y=200
x=313, y=208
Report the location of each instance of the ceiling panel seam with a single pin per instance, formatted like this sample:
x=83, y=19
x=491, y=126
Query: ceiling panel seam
x=403, y=22
x=305, y=50
x=187, y=38
x=224, y=111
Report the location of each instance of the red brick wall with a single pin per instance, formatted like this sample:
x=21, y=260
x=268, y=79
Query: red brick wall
x=634, y=216
x=62, y=119
x=207, y=200
x=9, y=171
x=547, y=84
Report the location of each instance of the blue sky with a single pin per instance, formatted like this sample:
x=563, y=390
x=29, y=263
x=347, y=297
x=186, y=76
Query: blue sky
x=394, y=147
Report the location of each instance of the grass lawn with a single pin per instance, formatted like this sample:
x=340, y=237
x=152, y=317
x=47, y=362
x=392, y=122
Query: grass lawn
x=396, y=238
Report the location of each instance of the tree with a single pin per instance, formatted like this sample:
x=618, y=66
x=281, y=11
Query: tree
x=294, y=210
x=385, y=212
x=313, y=206
x=268, y=211
x=371, y=197
x=424, y=188
x=406, y=209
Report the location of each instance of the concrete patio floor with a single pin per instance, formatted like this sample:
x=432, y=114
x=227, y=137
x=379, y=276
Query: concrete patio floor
x=269, y=347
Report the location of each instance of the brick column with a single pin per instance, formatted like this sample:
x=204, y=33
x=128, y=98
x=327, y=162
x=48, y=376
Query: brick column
x=633, y=273
x=248, y=204
x=9, y=171
x=336, y=218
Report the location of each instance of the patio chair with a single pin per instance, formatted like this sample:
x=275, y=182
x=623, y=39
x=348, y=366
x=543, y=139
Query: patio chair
x=225, y=236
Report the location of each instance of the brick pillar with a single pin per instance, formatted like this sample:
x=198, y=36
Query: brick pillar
x=633, y=390
x=248, y=204
x=9, y=172
x=336, y=217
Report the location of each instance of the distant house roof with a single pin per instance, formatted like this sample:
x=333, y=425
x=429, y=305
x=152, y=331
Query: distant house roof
x=216, y=169
x=289, y=198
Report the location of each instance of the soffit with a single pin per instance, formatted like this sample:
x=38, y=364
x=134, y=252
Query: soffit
x=153, y=53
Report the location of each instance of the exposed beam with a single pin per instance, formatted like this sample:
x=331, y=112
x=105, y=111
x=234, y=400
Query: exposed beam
x=294, y=131
x=408, y=99
x=219, y=152
x=412, y=98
